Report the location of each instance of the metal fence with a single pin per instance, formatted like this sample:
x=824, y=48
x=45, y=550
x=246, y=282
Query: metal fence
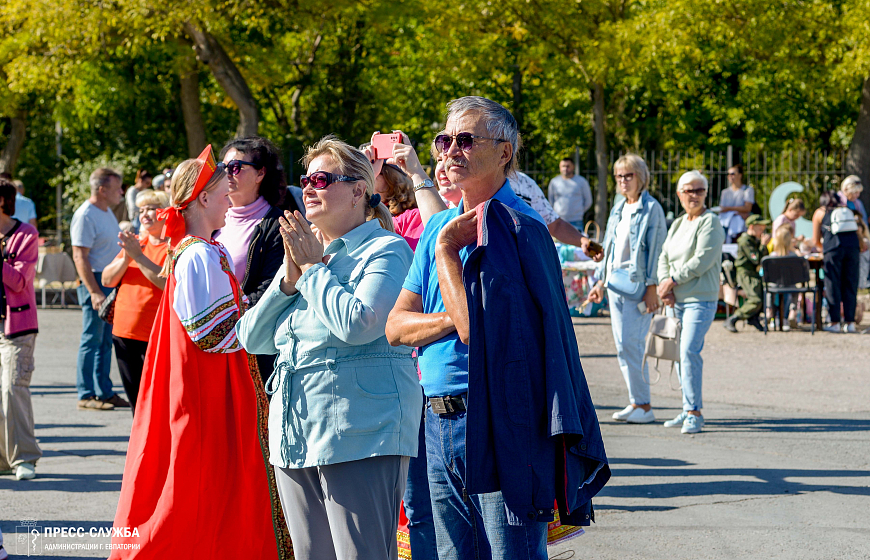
x=764, y=171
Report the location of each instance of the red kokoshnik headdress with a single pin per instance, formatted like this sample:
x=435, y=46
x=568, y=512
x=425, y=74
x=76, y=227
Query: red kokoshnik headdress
x=174, y=227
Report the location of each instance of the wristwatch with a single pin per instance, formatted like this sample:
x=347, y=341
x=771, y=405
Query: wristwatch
x=427, y=184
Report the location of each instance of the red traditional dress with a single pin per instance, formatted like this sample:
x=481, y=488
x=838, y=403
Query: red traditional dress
x=197, y=483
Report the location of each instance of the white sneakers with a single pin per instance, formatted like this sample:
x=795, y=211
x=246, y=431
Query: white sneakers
x=633, y=415
x=25, y=471
x=623, y=414
x=641, y=416
x=849, y=328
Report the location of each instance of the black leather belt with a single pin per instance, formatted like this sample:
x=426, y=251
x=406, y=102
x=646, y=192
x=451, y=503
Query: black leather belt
x=447, y=405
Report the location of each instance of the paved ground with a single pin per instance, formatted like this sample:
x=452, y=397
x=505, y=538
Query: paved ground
x=782, y=469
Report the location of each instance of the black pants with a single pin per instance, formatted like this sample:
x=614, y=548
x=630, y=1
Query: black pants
x=131, y=357
x=842, y=268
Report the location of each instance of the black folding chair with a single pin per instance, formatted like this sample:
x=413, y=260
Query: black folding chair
x=785, y=275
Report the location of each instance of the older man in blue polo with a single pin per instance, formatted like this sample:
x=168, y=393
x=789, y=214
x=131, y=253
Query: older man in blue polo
x=437, y=312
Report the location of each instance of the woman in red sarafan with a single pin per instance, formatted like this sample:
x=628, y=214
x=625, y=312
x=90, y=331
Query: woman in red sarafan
x=197, y=483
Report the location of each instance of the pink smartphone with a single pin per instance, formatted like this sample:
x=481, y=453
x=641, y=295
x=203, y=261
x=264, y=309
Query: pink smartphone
x=382, y=144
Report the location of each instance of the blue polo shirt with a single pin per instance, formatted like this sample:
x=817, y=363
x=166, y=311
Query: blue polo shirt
x=444, y=363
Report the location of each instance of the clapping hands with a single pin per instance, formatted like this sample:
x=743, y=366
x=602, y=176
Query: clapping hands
x=131, y=245
x=302, y=244
x=303, y=248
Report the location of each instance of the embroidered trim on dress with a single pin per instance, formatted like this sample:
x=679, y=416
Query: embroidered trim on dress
x=279, y=523
x=185, y=243
x=200, y=320
x=214, y=340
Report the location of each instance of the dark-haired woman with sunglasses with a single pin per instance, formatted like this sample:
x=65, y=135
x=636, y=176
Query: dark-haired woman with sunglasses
x=252, y=233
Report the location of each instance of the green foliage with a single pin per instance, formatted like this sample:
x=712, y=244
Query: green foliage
x=76, y=175
x=677, y=74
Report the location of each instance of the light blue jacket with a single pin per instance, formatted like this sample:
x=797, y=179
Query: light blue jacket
x=342, y=393
x=648, y=232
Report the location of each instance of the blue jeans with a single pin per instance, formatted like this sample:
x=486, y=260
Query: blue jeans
x=696, y=318
x=630, y=328
x=418, y=505
x=95, y=350
x=476, y=527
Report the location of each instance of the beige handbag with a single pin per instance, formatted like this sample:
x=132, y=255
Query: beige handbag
x=663, y=341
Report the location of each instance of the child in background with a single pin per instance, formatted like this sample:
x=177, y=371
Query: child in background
x=794, y=210
x=783, y=241
x=782, y=244
x=751, y=248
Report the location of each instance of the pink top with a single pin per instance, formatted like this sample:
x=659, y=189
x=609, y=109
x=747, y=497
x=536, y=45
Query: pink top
x=782, y=219
x=237, y=233
x=409, y=225
x=20, y=252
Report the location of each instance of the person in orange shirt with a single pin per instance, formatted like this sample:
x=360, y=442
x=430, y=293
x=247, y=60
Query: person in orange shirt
x=135, y=273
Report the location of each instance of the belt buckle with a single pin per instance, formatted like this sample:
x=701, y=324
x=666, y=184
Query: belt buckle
x=441, y=405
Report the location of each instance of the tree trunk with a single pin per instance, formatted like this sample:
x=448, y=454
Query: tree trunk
x=858, y=160
x=600, y=153
x=517, y=90
x=191, y=109
x=345, y=77
x=304, y=81
x=228, y=76
x=17, y=135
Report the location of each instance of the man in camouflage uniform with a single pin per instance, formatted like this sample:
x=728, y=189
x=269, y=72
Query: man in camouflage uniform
x=751, y=248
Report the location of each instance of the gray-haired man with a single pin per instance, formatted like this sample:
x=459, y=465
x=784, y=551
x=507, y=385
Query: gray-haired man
x=478, y=148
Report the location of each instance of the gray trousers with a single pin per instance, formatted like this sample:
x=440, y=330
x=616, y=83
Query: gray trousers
x=345, y=511
x=17, y=440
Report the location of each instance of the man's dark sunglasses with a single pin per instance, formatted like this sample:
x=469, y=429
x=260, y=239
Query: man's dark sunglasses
x=234, y=167
x=465, y=140
x=322, y=179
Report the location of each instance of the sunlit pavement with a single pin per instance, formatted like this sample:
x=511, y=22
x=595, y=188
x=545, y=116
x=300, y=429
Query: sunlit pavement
x=781, y=469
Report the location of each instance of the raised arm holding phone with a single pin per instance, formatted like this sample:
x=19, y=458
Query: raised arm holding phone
x=404, y=157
